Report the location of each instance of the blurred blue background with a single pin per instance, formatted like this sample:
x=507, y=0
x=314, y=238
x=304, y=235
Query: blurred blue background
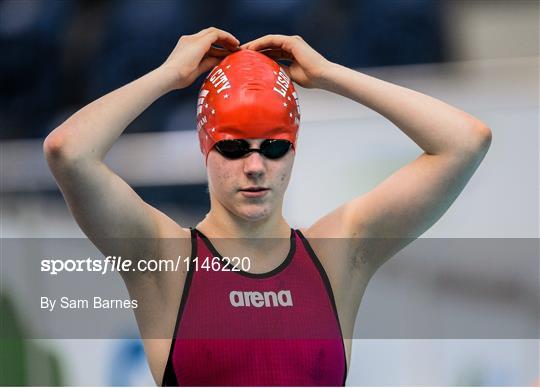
x=59, y=54
x=481, y=56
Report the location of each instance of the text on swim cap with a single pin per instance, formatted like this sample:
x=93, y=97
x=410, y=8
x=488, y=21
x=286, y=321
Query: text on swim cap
x=200, y=102
x=217, y=78
x=202, y=121
x=282, y=83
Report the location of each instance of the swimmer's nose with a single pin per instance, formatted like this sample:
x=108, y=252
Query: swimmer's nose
x=254, y=165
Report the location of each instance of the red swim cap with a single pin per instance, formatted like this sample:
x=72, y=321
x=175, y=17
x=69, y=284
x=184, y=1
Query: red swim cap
x=247, y=96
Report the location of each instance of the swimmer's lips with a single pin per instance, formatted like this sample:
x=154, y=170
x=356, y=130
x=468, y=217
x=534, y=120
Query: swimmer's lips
x=254, y=192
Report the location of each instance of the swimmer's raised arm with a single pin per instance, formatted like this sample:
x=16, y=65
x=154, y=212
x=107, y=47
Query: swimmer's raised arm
x=103, y=204
x=412, y=199
x=90, y=132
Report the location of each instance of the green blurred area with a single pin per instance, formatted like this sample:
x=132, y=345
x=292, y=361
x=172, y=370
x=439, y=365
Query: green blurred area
x=24, y=362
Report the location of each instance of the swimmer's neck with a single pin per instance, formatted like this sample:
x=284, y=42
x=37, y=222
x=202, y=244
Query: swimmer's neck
x=227, y=225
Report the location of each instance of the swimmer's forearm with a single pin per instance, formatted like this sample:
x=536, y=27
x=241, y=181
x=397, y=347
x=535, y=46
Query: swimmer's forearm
x=91, y=131
x=435, y=126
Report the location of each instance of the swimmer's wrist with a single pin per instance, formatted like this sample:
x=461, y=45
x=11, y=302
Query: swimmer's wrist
x=170, y=77
x=326, y=77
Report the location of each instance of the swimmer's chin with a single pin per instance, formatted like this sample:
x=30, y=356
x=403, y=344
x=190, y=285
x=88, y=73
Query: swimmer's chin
x=254, y=212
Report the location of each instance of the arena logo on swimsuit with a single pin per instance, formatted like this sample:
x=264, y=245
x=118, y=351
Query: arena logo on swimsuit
x=261, y=299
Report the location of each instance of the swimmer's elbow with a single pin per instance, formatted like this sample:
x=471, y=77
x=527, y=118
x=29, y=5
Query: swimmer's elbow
x=60, y=148
x=476, y=140
x=480, y=139
x=54, y=147
x=485, y=135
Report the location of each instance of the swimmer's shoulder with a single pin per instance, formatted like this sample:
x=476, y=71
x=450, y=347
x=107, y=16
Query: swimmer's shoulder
x=167, y=227
x=172, y=238
x=332, y=242
x=332, y=225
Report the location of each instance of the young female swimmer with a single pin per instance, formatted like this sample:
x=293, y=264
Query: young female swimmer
x=316, y=289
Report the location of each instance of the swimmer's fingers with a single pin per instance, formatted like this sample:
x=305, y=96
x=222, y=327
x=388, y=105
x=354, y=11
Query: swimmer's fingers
x=220, y=52
x=213, y=57
x=198, y=53
x=308, y=66
x=277, y=54
x=216, y=37
x=283, y=42
x=283, y=46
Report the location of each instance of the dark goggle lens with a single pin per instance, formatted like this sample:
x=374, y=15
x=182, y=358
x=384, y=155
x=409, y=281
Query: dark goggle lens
x=275, y=149
x=232, y=149
x=237, y=148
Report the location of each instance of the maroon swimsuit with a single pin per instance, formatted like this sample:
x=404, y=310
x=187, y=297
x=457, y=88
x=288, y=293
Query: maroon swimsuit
x=278, y=328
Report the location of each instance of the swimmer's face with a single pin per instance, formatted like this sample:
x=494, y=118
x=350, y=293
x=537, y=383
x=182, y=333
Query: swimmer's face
x=228, y=180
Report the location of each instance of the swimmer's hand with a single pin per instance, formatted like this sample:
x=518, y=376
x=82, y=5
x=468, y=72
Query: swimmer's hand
x=308, y=66
x=198, y=53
